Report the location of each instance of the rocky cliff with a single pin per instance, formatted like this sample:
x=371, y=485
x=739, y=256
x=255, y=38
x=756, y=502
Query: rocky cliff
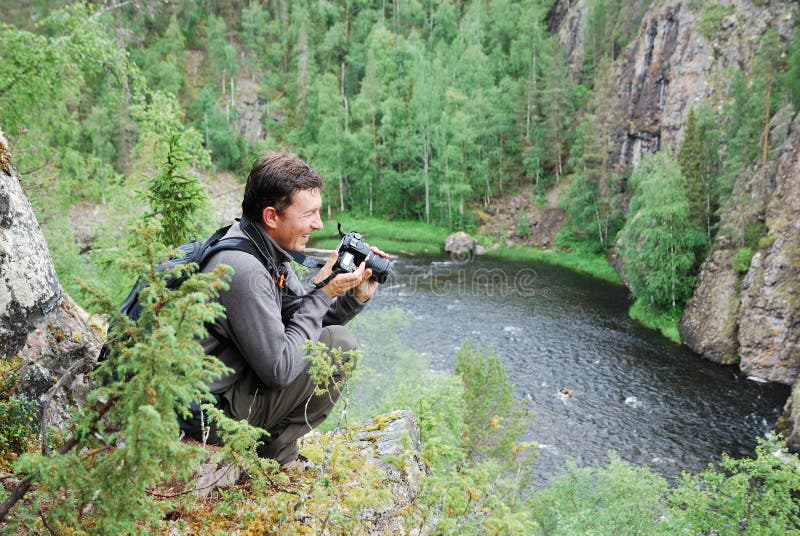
x=751, y=319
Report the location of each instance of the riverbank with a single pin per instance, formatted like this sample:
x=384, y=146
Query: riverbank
x=400, y=237
x=417, y=238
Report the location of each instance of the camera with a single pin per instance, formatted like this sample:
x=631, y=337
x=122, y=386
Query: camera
x=352, y=251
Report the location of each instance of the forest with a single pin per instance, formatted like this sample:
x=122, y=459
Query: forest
x=413, y=110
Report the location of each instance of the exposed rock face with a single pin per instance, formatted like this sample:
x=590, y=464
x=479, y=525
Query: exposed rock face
x=664, y=71
x=670, y=66
x=759, y=322
x=769, y=325
x=542, y=216
x=249, y=111
x=709, y=322
x=29, y=288
x=39, y=324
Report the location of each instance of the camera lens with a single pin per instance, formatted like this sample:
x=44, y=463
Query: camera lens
x=381, y=268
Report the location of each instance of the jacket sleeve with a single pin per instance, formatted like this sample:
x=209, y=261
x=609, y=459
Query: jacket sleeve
x=253, y=321
x=342, y=310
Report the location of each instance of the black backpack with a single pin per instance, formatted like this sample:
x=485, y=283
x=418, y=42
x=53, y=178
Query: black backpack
x=198, y=252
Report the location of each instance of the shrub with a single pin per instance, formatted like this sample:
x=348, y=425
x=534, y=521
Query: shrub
x=523, y=226
x=741, y=261
x=750, y=496
x=616, y=499
x=17, y=416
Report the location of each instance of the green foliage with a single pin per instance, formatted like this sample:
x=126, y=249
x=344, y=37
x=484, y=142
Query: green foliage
x=578, y=258
x=754, y=232
x=125, y=441
x=741, y=260
x=592, y=200
x=328, y=364
x=175, y=197
x=658, y=241
x=711, y=19
x=700, y=163
x=664, y=320
x=17, y=425
x=615, y=499
x=743, y=496
x=494, y=418
x=523, y=226
x=463, y=494
x=395, y=236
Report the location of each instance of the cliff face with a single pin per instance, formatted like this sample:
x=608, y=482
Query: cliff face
x=752, y=319
x=670, y=66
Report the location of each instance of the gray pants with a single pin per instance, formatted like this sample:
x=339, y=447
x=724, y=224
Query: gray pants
x=290, y=413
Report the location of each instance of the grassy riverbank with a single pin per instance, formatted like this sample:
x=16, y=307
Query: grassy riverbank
x=418, y=238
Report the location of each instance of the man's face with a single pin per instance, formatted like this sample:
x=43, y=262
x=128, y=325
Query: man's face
x=297, y=221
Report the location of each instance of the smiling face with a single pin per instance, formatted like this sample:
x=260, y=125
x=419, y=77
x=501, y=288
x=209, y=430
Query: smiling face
x=292, y=227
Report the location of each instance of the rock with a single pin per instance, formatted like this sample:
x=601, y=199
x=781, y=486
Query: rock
x=212, y=476
x=29, y=288
x=460, y=246
x=391, y=442
x=709, y=321
x=55, y=341
x=789, y=422
x=769, y=325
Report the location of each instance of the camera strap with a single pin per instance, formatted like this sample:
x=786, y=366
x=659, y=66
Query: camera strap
x=329, y=278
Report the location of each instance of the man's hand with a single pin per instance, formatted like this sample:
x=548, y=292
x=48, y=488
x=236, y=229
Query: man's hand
x=341, y=283
x=359, y=281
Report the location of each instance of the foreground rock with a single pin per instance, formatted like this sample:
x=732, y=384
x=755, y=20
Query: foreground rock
x=51, y=340
x=391, y=442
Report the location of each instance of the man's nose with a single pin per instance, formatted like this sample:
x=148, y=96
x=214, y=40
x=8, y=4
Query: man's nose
x=316, y=223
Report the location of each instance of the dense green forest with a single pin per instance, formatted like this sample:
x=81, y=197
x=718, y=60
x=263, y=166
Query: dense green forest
x=412, y=110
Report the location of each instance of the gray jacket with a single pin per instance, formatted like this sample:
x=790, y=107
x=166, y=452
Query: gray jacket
x=265, y=328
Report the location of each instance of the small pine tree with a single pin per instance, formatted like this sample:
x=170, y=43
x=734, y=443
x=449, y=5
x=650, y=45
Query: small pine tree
x=166, y=145
x=493, y=419
x=698, y=158
x=126, y=441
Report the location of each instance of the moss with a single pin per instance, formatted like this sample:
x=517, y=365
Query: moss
x=711, y=19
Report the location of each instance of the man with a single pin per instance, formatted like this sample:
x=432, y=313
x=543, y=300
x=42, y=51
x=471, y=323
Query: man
x=269, y=316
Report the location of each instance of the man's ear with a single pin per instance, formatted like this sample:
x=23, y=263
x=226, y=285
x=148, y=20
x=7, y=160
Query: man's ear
x=269, y=217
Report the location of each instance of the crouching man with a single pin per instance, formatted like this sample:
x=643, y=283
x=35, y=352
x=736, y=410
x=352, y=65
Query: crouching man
x=270, y=316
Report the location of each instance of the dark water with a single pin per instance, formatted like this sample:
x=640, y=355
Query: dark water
x=632, y=391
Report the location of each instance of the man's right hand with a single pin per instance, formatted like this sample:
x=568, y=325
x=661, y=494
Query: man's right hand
x=341, y=283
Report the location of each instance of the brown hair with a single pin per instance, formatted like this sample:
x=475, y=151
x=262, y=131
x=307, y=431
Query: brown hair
x=272, y=182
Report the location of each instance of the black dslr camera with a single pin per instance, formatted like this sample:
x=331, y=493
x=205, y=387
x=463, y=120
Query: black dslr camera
x=353, y=251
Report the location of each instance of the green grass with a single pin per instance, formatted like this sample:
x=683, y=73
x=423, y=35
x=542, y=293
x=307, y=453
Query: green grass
x=664, y=321
x=587, y=263
x=394, y=237
x=418, y=238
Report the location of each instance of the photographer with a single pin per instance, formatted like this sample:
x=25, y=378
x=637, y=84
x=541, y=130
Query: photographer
x=269, y=316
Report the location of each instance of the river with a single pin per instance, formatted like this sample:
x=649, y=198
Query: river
x=593, y=379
